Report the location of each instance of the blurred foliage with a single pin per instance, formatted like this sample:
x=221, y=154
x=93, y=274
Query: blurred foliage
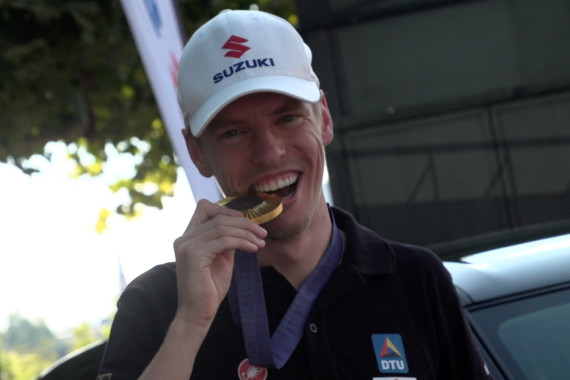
x=22, y=366
x=28, y=347
x=23, y=335
x=70, y=71
x=82, y=336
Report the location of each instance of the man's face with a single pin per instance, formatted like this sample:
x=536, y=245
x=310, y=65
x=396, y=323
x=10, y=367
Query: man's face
x=268, y=142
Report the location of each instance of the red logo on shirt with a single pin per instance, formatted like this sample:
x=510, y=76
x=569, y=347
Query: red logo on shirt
x=247, y=371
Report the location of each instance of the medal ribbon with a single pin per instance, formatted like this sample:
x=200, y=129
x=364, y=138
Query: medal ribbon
x=247, y=300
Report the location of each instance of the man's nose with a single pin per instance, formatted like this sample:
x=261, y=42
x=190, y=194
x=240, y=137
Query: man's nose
x=269, y=148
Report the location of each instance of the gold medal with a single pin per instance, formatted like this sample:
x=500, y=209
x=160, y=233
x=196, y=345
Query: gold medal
x=260, y=208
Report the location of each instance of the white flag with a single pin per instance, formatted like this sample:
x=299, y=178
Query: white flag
x=157, y=33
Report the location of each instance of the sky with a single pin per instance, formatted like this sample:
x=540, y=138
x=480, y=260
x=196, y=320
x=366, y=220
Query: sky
x=54, y=266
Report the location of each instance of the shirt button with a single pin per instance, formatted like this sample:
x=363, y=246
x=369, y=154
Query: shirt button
x=313, y=328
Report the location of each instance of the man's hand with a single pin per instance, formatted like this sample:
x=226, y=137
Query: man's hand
x=205, y=259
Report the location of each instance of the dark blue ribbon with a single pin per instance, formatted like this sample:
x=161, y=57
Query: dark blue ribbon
x=247, y=301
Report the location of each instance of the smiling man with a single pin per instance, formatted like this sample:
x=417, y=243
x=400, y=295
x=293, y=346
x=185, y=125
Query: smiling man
x=310, y=294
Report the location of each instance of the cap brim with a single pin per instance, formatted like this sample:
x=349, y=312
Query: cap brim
x=301, y=89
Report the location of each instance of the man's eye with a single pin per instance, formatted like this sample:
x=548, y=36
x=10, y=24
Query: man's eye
x=230, y=133
x=288, y=118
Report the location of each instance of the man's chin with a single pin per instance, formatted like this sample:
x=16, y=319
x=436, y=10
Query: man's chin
x=281, y=229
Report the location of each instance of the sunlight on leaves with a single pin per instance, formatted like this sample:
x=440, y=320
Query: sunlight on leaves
x=101, y=224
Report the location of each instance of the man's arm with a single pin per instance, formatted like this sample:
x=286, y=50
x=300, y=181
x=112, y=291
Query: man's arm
x=175, y=358
x=204, y=264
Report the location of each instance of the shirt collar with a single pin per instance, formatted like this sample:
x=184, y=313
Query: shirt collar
x=364, y=249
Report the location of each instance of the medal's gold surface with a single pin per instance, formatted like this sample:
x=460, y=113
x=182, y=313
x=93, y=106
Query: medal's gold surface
x=260, y=208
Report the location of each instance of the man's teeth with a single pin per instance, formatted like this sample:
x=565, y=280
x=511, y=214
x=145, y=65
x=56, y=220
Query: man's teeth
x=276, y=185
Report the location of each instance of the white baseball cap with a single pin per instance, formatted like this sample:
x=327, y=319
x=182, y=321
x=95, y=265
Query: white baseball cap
x=238, y=53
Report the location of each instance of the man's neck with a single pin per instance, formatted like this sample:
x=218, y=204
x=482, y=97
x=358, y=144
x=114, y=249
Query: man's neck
x=296, y=258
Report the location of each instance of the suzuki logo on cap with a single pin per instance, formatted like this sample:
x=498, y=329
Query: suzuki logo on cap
x=235, y=46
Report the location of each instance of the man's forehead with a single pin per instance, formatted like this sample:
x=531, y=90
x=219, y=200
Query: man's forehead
x=266, y=102
x=265, y=97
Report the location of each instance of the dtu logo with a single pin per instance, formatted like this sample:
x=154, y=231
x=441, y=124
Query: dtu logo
x=390, y=353
x=235, y=46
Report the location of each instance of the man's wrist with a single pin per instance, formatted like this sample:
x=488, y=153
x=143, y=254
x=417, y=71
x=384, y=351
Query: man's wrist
x=187, y=325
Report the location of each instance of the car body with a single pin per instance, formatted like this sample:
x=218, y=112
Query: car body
x=78, y=365
x=517, y=300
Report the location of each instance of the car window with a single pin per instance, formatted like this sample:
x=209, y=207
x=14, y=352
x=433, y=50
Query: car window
x=528, y=337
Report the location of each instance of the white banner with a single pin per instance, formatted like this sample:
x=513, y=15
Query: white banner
x=157, y=33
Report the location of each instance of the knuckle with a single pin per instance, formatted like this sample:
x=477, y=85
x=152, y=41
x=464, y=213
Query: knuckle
x=226, y=241
x=221, y=230
x=220, y=219
x=178, y=242
x=202, y=203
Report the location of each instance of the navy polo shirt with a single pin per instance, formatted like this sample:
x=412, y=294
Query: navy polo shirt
x=389, y=311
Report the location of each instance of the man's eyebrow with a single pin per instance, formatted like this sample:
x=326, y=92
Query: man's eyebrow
x=289, y=105
x=223, y=123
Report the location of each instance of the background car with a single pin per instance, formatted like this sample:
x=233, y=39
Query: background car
x=81, y=364
x=517, y=300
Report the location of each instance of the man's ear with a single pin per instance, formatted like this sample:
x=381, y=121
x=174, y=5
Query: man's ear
x=327, y=123
x=195, y=154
